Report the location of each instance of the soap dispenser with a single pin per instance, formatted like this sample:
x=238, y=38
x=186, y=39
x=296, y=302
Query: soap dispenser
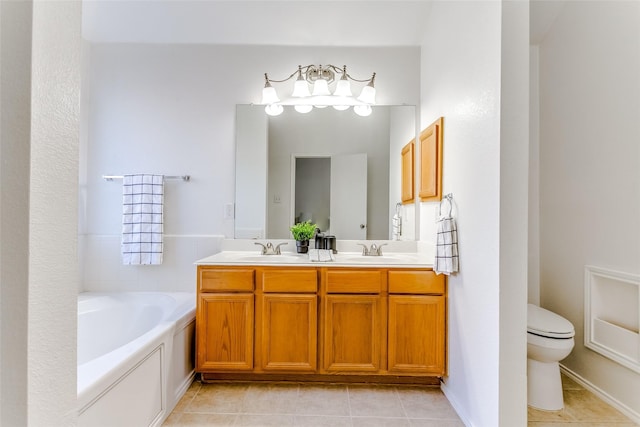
x=319, y=241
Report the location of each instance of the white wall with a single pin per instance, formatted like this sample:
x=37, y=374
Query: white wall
x=514, y=176
x=590, y=168
x=171, y=109
x=15, y=104
x=402, y=124
x=533, y=281
x=40, y=92
x=462, y=65
x=461, y=81
x=251, y=186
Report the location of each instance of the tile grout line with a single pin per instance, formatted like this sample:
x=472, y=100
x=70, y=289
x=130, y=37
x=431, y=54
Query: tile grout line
x=349, y=404
x=404, y=411
x=190, y=400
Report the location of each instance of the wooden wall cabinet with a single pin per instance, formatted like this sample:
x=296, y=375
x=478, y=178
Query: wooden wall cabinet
x=408, y=180
x=431, y=139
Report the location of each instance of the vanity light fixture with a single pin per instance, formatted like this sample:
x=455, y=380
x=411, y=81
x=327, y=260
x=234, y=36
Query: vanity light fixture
x=319, y=78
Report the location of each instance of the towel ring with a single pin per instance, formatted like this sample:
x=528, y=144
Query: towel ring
x=448, y=198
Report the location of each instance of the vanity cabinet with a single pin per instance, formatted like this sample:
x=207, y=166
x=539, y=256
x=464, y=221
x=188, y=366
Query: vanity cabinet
x=416, y=342
x=287, y=327
x=387, y=324
x=224, y=318
x=353, y=314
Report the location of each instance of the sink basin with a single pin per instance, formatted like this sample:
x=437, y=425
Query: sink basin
x=271, y=258
x=382, y=259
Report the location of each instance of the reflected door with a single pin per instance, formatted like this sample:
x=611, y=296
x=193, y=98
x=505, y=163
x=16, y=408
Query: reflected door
x=348, y=217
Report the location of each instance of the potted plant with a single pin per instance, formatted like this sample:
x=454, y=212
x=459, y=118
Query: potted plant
x=302, y=232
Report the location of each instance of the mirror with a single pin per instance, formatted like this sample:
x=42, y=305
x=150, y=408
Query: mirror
x=338, y=169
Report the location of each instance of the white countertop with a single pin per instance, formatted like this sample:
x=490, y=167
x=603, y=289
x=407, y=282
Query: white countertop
x=341, y=259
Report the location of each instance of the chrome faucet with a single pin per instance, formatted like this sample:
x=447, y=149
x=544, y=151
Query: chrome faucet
x=269, y=249
x=374, y=250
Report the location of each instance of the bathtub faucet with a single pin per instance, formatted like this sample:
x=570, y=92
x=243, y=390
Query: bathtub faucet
x=269, y=249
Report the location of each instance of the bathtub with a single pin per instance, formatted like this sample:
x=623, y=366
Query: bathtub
x=135, y=356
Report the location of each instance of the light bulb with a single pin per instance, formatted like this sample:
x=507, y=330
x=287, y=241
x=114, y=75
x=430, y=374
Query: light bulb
x=274, y=109
x=343, y=87
x=300, y=89
x=321, y=88
x=362, y=110
x=368, y=95
x=303, y=108
x=269, y=95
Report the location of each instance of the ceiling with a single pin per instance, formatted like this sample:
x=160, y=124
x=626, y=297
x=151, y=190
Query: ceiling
x=265, y=22
x=356, y=23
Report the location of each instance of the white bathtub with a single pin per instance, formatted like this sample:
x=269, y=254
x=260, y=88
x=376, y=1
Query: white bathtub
x=135, y=356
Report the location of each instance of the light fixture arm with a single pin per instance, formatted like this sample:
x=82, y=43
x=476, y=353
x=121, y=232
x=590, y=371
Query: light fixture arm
x=313, y=72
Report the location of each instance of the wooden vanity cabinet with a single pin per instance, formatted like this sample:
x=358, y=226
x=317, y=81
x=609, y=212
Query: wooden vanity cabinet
x=318, y=322
x=287, y=325
x=354, y=320
x=416, y=340
x=225, y=310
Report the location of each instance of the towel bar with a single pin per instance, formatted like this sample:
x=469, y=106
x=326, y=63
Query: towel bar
x=185, y=178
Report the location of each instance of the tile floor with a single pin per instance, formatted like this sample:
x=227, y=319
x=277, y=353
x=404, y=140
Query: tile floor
x=255, y=404
x=582, y=409
x=243, y=404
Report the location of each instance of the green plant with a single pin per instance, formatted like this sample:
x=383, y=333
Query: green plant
x=303, y=230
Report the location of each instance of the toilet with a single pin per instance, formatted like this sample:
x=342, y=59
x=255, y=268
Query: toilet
x=549, y=340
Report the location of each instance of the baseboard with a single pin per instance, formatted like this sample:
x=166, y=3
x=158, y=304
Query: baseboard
x=182, y=389
x=630, y=413
x=455, y=404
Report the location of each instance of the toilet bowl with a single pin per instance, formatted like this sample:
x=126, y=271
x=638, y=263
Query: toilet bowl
x=549, y=340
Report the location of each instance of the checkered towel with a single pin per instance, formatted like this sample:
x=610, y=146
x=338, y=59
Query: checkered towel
x=142, y=205
x=446, y=260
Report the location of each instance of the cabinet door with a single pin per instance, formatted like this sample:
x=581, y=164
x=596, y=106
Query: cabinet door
x=224, y=336
x=289, y=332
x=431, y=162
x=352, y=333
x=416, y=334
x=407, y=173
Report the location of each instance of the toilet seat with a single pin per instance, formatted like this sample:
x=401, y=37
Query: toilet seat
x=547, y=324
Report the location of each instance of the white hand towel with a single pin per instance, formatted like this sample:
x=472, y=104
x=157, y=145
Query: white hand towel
x=142, y=222
x=320, y=255
x=446, y=260
x=396, y=228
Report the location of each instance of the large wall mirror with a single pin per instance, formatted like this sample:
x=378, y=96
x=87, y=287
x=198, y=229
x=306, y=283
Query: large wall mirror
x=335, y=168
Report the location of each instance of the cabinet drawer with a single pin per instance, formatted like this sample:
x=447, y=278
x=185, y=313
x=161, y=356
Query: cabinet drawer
x=219, y=279
x=355, y=282
x=415, y=282
x=293, y=281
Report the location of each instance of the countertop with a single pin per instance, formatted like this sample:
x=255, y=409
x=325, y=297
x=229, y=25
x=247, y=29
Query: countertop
x=341, y=259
